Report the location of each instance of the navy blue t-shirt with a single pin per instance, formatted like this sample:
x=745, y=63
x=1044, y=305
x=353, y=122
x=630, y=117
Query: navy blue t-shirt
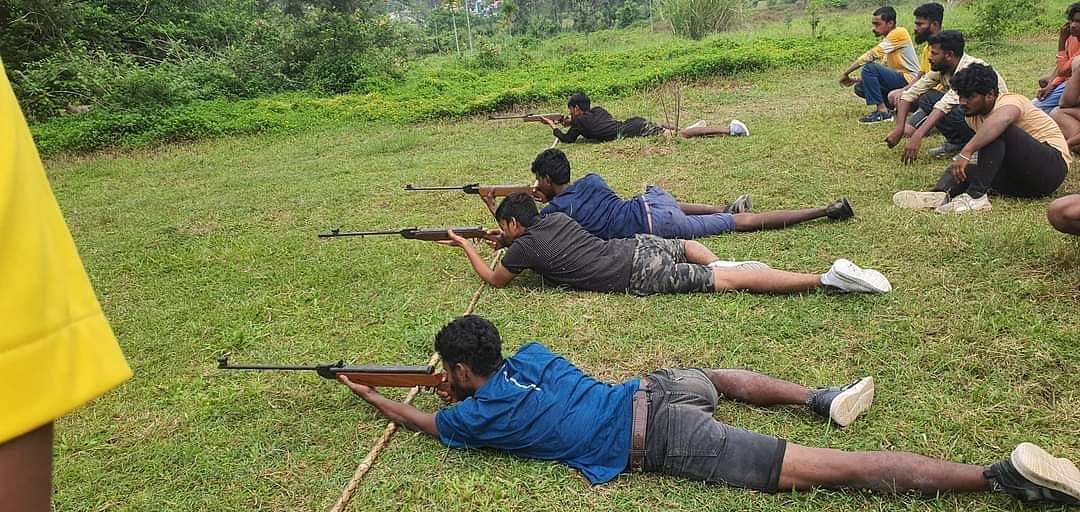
x=538, y=405
x=592, y=203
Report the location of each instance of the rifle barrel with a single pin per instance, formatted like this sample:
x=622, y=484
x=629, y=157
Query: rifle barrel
x=410, y=186
x=338, y=232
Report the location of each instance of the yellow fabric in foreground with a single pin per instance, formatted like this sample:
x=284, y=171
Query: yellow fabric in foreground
x=57, y=350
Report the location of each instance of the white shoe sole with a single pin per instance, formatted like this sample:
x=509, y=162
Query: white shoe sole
x=916, y=200
x=738, y=265
x=742, y=125
x=699, y=124
x=856, y=279
x=945, y=210
x=851, y=403
x=1041, y=468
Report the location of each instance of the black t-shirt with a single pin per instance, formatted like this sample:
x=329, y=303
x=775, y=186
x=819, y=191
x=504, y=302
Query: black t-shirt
x=596, y=124
x=564, y=253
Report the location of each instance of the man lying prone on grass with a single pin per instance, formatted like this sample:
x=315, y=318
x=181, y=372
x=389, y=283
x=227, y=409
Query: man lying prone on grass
x=565, y=254
x=537, y=405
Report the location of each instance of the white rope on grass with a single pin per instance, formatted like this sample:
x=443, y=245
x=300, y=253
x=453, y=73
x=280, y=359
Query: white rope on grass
x=391, y=427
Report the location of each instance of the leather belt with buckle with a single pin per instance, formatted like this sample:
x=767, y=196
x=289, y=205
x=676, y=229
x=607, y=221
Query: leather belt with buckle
x=638, y=427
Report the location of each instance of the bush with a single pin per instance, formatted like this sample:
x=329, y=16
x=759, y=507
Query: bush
x=698, y=18
x=449, y=90
x=996, y=19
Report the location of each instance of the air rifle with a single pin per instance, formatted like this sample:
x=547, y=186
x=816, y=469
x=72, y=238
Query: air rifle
x=430, y=235
x=538, y=118
x=476, y=188
x=374, y=376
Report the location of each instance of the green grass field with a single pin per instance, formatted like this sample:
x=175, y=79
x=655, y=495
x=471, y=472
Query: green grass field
x=209, y=249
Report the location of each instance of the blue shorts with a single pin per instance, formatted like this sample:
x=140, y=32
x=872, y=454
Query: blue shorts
x=669, y=221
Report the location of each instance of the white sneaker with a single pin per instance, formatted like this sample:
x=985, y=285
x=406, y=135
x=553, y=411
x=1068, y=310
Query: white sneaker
x=738, y=265
x=738, y=129
x=964, y=203
x=699, y=124
x=914, y=200
x=849, y=277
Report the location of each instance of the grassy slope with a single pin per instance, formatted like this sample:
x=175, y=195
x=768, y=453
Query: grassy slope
x=209, y=248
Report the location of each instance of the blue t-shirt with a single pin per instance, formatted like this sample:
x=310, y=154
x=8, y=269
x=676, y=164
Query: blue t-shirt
x=538, y=405
x=592, y=203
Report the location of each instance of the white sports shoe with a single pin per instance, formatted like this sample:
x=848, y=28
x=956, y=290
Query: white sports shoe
x=849, y=277
x=738, y=265
x=699, y=124
x=914, y=200
x=738, y=129
x=964, y=203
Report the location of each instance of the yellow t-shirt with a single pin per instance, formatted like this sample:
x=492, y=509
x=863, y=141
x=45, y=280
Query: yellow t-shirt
x=57, y=351
x=1032, y=120
x=896, y=51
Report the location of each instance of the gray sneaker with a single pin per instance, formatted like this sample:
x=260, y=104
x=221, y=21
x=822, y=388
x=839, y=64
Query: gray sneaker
x=741, y=204
x=945, y=150
x=843, y=404
x=1030, y=473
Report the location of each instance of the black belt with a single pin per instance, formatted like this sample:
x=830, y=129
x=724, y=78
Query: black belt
x=638, y=427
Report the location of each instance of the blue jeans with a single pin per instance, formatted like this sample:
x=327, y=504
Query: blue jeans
x=669, y=221
x=1051, y=101
x=878, y=81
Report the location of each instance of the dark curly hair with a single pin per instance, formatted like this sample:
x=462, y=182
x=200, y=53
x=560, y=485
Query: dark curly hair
x=579, y=100
x=552, y=164
x=887, y=14
x=1074, y=9
x=519, y=206
x=471, y=340
x=931, y=12
x=948, y=41
x=975, y=79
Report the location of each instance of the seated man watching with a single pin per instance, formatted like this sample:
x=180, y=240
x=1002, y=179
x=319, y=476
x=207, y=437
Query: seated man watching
x=942, y=110
x=901, y=65
x=535, y=404
x=1067, y=115
x=1052, y=86
x=596, y=124
x=593, y=204
x=1064, y=214
x=928, y=20
x=563, y=253
x=1017, y=150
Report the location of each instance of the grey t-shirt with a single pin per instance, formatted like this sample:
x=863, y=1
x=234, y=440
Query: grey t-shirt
x=564, y=253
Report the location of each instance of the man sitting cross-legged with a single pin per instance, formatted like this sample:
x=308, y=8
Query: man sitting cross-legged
x=928, y=20
x=537, y=405
x=942, y=109
x=562, y=252
x=601, y=212
x=596, y=124
x=1017, y=150
x=877, y=81
x=1064, y=214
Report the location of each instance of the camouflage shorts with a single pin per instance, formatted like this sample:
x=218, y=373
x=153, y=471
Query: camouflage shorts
x=650, y=129
x=660, y=267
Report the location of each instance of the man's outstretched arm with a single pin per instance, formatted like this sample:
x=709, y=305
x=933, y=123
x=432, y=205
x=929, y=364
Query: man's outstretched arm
x=403, y=414
x=497, y=278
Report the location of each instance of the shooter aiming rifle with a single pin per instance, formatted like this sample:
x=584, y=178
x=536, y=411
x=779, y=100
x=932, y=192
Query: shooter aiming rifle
x=430, y=235
x=374, y=376
x=476, y=188
x=536, y=118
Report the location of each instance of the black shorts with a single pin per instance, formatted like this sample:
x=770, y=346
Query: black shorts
x=683, y=439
